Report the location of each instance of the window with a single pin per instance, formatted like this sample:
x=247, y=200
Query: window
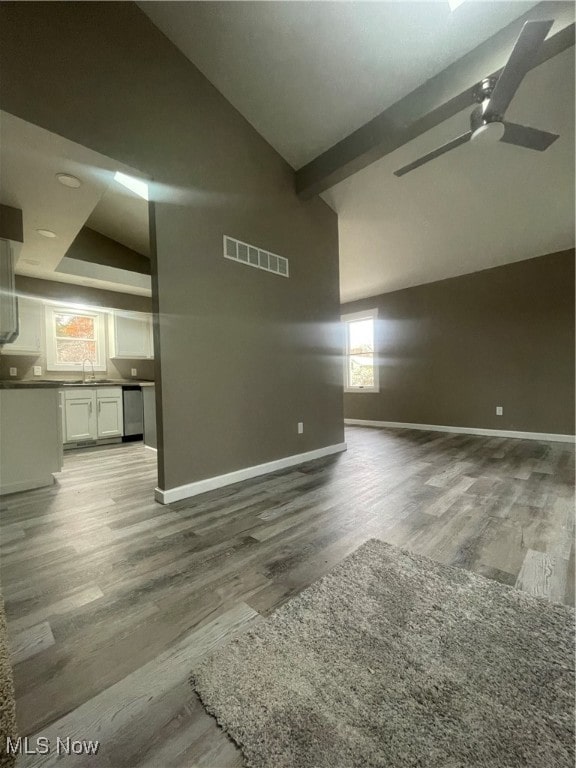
x=361, y=369
x=74, y=335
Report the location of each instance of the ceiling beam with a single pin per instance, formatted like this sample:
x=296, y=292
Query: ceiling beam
x=438, y=99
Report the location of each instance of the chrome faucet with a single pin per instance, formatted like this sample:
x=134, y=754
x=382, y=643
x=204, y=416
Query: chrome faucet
x=93, y=377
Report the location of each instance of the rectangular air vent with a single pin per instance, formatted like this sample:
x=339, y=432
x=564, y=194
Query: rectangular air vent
x=255, y=257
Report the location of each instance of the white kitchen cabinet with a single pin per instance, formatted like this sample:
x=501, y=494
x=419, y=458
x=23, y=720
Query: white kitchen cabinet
x=30, y=441
x=8, y=301
x=110, y=417
x=30, y=320
x=92, y=413
x=130, y=335
x=80, y=415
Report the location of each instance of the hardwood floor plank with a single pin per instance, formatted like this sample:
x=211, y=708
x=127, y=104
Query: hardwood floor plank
x=543, y=575
x=74, y=600
x=446, y=499
x=121, y=592
x=135, y=701
x=31, y=641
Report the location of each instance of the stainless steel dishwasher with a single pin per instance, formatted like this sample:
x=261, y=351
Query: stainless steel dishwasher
x=133, y=413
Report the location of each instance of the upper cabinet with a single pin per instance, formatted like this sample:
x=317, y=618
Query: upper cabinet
x=30, y=322
x=11, y=239
x=8, y=300
x=130, y=335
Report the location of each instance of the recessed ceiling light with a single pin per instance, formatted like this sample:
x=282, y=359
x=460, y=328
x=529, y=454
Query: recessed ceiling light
x=68, y=180
x=134, y=185
x=46, y=232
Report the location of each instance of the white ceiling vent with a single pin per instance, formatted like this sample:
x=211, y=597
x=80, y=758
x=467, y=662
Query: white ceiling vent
x=255, y=257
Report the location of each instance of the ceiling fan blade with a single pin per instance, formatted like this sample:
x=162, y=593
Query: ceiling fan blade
x=436, y=153
x=523, y=57
x=531, y=138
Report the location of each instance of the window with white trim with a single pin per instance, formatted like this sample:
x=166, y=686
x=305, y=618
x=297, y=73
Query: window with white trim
x=75, y=336
x=360, y=361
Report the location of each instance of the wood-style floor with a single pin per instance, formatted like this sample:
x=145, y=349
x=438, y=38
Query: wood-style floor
x=111, y=597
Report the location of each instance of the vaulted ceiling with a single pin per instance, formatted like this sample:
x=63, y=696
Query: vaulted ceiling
x=476, y=207
x=308, y=74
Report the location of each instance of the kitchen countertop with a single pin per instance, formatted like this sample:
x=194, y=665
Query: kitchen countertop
x=60, y=383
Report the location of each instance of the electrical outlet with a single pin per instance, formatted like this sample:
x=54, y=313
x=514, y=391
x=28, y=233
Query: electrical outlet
x=37, y=370
x=133, y=372
x=300, y=427
x=499, y=410
x=13, y=371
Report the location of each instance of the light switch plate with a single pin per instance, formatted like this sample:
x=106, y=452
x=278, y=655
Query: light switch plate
x=134, y=372
x=300, y=427
x=13, y=371
x=499, y=410
x=37, y=370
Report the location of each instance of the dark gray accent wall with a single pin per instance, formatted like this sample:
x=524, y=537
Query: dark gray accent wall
x=453, y=350
x=243, y=355
x=11, y=226
x=92, y=246
x=52, y=290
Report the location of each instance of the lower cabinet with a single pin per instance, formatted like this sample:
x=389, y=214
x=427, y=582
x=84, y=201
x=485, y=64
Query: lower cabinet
x=109, y=415
x=80, y=415
x=30, y=443
x=92, y=414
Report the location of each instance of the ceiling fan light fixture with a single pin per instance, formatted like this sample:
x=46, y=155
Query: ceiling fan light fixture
x=494, y=96
x=489, y=133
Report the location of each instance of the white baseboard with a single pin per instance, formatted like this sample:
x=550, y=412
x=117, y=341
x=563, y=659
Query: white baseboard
x=211, y=483
x=150, y=448
x=545, y=436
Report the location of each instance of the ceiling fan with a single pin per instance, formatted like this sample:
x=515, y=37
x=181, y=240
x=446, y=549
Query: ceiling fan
x=494, y=95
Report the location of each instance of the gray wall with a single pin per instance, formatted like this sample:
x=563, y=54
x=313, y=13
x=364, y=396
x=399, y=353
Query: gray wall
x=81, y=294
x=11, y=223
x=50, y=290
x=243, y=355
x=92, y=246
x=451, y=351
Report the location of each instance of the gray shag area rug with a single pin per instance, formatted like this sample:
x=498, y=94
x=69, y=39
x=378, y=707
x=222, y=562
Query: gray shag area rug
x=395, y=660
x=7, y=702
